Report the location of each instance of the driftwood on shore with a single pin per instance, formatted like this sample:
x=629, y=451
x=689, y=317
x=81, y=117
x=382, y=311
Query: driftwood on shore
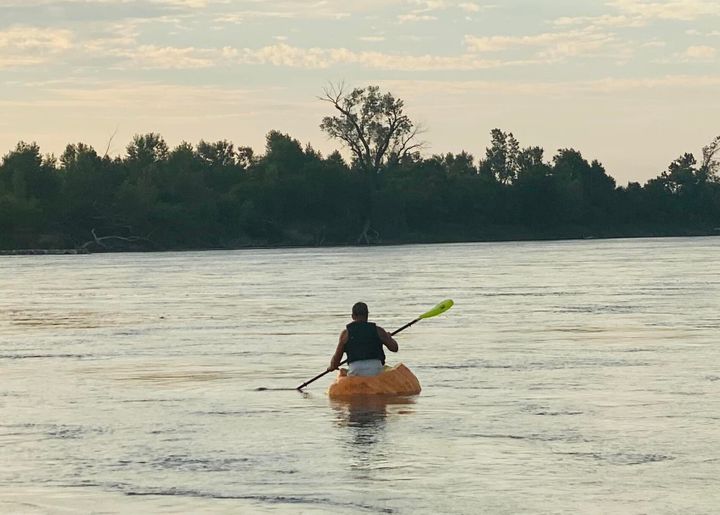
x=115, y=243
x=112, y=243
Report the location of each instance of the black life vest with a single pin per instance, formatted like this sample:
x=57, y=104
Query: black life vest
x=363, y=342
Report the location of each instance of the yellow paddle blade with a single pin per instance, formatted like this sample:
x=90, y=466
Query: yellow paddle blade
x=440, y=308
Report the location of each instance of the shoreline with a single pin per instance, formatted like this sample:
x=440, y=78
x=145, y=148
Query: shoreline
x=430, y=241
x=43, y=252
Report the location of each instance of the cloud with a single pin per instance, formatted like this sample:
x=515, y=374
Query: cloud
x=194, y=11
x=669, y=82
x=603, y=21
x=607, y=86
x=27, y=46
x=695, y=32
x=426, y=10
x=667, y=9
x=284, y=55
x=701, y=53
x=421, y=13
x=412, y=17
x=89, y=12
x=119, y=48
x=424, y=6
x=372, y=39
x=136, y=96
x=193, y=4
x=550, y=45
x=18, y=61
x=469, y=7
x=36, y=38
x=428, y=5
x=323, y=58
x=169, y=58
x=654, y=44
x=243, y=16
x=238, y=12
x=692, y=54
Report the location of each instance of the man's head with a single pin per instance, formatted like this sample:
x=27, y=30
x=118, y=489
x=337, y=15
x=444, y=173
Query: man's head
x=360, y=311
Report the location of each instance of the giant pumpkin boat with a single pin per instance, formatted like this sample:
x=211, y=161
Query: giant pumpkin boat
x=398, y=380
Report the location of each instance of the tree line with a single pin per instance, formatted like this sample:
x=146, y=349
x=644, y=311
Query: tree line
x=218, y=195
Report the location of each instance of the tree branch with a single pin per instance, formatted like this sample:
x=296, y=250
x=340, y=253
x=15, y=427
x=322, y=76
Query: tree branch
x=100, y=240
x=334, y=97
x=112, y=137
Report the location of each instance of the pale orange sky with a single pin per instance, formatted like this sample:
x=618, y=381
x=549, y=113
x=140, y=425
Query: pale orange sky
x=630, y=83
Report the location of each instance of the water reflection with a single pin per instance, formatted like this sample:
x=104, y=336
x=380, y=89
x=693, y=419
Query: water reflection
x=366, y=421
x=366, y=417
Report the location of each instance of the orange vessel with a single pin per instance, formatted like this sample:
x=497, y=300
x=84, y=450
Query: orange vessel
x=397, y=380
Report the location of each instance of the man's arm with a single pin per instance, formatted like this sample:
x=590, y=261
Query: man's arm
x=337, y=357
x=388, y=340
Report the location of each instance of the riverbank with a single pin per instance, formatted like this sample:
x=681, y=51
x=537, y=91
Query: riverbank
x=489, y=235
x=43, y=252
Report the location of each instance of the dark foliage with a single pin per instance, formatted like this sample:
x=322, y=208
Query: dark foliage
x=214, y=195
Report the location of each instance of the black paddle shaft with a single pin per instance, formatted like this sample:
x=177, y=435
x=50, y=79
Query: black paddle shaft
x=343, y=362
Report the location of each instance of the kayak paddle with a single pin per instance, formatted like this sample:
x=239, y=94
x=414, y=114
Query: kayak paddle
x=437, y=310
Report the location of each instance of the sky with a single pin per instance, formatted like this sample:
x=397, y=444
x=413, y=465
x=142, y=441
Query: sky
x=631, y=83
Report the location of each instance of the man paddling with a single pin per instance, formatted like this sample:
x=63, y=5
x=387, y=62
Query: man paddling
x=363, y=342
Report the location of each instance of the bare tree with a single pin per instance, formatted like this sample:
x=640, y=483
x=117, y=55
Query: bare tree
x=710, y=162
x=371, y=124
x=109, y=143
x=125, y=242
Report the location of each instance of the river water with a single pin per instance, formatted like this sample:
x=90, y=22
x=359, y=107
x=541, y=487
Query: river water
x=578, y=376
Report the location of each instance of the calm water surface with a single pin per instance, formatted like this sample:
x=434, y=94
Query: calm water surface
x=570, y=377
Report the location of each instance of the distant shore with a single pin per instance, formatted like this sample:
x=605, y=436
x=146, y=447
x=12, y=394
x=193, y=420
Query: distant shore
x=42, y=252
x=212, y=196
x=517, y=237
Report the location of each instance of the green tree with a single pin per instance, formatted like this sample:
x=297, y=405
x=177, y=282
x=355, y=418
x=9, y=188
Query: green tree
x=502, y=157
x=29, y=190
x=584, y=189
x=147, y=149
x=26, y=175
x=681, y=175
x=529, y=159
x=88, y=190
x=462, y=164
x=218, y=154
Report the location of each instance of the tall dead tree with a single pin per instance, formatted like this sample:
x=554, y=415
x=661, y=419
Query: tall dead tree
x=711, y=158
